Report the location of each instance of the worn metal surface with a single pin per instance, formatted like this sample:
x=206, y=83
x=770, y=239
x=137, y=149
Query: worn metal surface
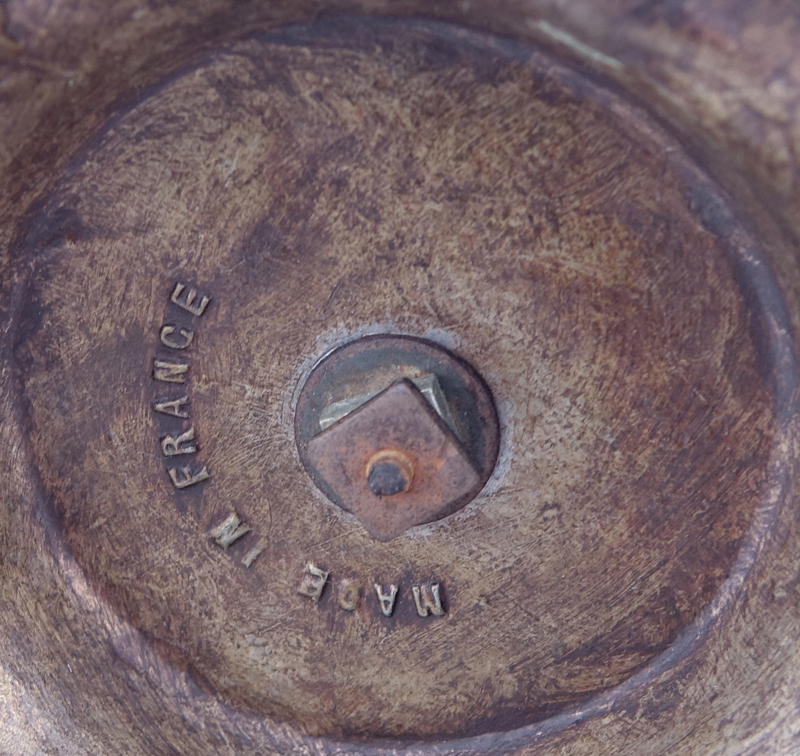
x=428, y=385
x=626, y=583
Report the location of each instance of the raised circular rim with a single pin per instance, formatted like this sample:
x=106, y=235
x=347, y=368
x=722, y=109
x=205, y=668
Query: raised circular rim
x=765, y=299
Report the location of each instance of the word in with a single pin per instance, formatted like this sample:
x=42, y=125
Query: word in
x=230, y=530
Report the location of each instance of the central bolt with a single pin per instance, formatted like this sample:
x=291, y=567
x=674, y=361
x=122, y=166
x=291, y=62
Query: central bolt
x=397, y=431
x=389, y=472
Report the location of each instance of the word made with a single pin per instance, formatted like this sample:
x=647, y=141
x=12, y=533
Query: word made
x=427, y=596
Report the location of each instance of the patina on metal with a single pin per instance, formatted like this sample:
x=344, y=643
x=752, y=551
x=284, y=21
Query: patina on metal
x=595, y=204
x=428, y=385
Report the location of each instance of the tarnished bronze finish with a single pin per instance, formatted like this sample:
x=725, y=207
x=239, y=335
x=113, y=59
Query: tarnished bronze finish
x=439, y=479
x=265, y=265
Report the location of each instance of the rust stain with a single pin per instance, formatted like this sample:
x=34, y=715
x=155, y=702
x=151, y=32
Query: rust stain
x=399, y=419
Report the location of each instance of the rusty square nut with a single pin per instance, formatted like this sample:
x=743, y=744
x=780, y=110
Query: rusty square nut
x=394, y=463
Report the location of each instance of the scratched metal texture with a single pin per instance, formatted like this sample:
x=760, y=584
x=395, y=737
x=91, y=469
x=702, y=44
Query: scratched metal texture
x=645, y=600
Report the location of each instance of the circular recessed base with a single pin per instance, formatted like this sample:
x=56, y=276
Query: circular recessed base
x=317, y=182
